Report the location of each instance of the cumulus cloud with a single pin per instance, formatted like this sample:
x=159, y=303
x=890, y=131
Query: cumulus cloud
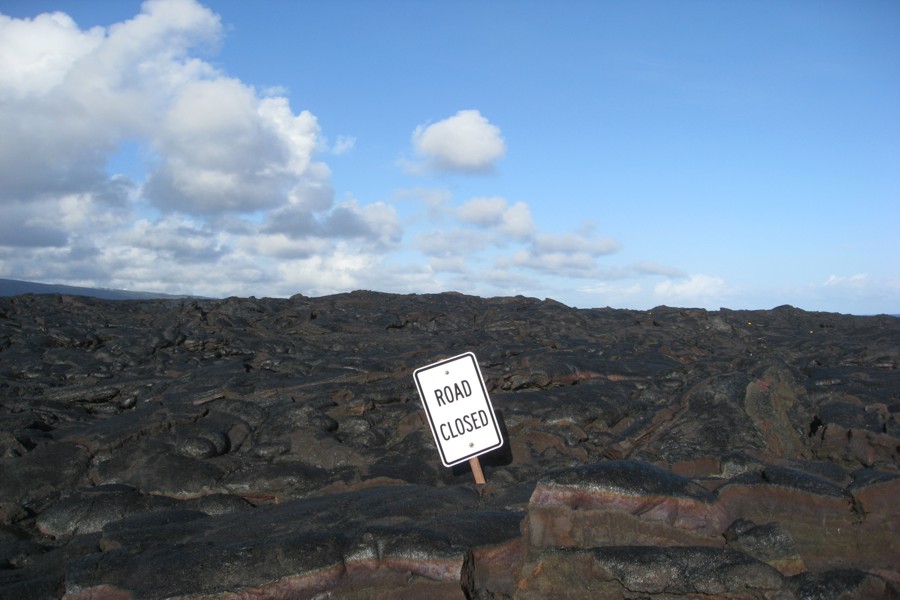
x=697, y=290
x=225, y=149
x=517, y=221
x=279, y=245
x=569, y=255
x=38, y=53
x=513, y=220
x=449, y=264
x=72, y=96
x=341, y=270
x=652, y=268
x=453, y=243
x=574, y=244
x=376, y=225
x=628, y=294
x=231, y=177
x=22, y=226
x=554, y=263
x=483, y=211
x=314, y=192
x=175, y=238
x=464, y=143
x=490, y=236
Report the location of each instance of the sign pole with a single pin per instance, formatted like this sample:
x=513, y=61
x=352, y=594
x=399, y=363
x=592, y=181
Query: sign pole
x=476, y=470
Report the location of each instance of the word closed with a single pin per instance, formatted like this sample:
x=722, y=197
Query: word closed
x=459, y=410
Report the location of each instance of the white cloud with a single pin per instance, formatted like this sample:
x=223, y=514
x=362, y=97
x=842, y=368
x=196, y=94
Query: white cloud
x=314, y=192
x=449, y=264
x=652, y=268
x=613, y=293
x=376, y=226
x=26, y=226
x=511, y=220
x=72, y=96
x=434, y=200
x=225, y=149
x=869, y=293
x=852, y=281
x=232, y=185
x=495, y=235
x=296, y=134
x=342, y=270
x=36, y=54
x=343, y=145
x=575, y=244
x=454, y=242
x=566, y=255
x=501, y=282
x=464, y=143
x=279, y=245
x=377, y=223
x=517, y=222
x=564, y=264
x=90, y=214
x=697, y=290
x=485, y=211
x=176, y=239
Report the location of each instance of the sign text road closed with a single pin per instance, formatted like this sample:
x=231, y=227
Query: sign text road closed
x=459, y=411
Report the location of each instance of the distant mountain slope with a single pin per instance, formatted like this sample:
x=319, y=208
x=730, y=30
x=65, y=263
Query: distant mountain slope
x=14, y=287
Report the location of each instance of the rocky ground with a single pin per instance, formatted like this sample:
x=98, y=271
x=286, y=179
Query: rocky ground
x=277, y=448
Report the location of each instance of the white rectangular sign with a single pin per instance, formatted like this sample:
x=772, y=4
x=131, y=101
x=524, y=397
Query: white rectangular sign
x=459, y=411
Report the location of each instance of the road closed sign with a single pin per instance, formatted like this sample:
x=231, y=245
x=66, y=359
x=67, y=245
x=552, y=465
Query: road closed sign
x=459, y=411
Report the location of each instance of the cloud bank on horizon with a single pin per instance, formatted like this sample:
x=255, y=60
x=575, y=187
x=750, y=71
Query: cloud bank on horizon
x=235, y=193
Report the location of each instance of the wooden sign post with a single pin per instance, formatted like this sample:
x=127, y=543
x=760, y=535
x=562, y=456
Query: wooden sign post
x=459, y=411
x=475, y=465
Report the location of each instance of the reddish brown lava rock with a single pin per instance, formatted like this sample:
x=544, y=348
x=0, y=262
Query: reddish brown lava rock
x=827, y=528
x=641, y=572
x=622, y=503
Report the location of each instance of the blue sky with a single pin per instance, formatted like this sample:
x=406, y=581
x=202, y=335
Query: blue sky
x=628, y=154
